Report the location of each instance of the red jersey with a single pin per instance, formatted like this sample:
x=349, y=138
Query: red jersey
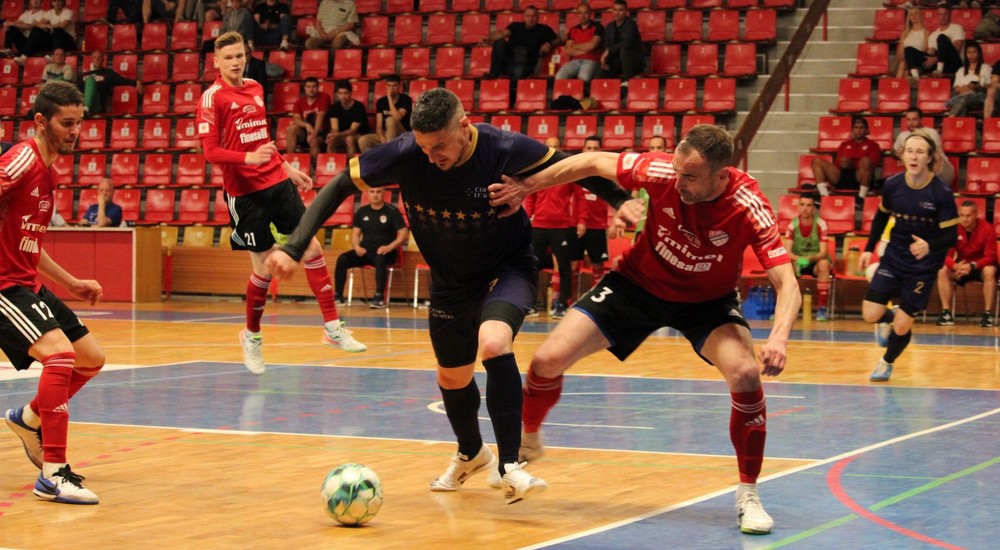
x=589, y=209
x=705, y=239
x=26, y=187
x=231, y=123
x=978, y=245
x=551, y=208
x=312, y=112
x=854, y=151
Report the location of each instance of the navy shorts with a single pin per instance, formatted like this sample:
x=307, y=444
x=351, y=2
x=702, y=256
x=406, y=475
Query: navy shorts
x=627, y=314
x=251, y=216
x=912, y=288
x=25, y=316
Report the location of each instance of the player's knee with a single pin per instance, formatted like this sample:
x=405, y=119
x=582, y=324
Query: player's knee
x=492, y=345
x=547, y=362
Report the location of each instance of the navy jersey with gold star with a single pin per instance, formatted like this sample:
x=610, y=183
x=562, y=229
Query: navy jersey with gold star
x=458, y=232
x=924, y=209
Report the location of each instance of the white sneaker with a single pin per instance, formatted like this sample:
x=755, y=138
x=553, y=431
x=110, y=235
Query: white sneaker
x=30, y=437
x=882, y=372
x=341, y=338
x=64, y=486
x=493, y=479
x=462, y=467
x=750, y=514
x=518, y=484
x=531, y=447
x=284, y=44
x=253, y=354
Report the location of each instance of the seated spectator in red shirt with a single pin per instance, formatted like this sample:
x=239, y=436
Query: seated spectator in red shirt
x=308, y=124
x=853, y=167
x=974, y=258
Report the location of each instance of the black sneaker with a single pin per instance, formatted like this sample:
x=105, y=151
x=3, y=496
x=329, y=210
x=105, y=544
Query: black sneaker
x=377, y=302
x=987, y=320
x=339, y=301
x=558, y=310
x=859, y=203
x=946, y=319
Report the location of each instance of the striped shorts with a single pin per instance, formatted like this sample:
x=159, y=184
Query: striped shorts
x=25, y=316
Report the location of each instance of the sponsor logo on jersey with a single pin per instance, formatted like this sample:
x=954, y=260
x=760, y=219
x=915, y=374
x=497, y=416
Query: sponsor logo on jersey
x=31, y=226
x=249, y=109
x=776, y=252
x=29, y=245
x=258, y=100
x=691, y=237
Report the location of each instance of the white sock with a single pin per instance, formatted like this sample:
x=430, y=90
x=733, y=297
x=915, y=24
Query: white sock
x=914, y=73
x=49, y=469
x=823, y=188
x=30, y=418
x=250, y=334
x=940, y=67
x=332, y=325
x=743, y=487
x=863, y=191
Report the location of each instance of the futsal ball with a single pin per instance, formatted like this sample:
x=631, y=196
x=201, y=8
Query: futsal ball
x=352, y=494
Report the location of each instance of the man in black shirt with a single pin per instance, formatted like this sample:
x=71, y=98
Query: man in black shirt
x=274, y=24
x=622, y=57
x=348, y=121
x=99, y=83
x=517, y=48
x=379, y=231
x=392, y=114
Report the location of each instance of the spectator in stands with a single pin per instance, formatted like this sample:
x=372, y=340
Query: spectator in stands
x=973, y=258
x=198, y=10
x=379, y=231
x=274, y=23
x=99, y=83
x=4, y=144
x=622, y=57
x=103, y=213
x=336, y=21
x=911, y=50
x=308, y=119
x=971, y=81
x=852, y=168
x=591, y=222
x=582, y=47
x=348, y=121
x=990, y=101
x=806, y=242
x=158, y=10
x=131, y=9
x=658, y=143
x=944, y=44
x=255, y=69
x=914, y=121
x=27, y=34
x=61, y=23
x=58, y=69
x=552, y=235
x=517, y=48
x=236, y=16
x=392, y=114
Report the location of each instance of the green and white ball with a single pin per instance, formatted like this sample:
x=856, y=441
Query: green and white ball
x=352, y=494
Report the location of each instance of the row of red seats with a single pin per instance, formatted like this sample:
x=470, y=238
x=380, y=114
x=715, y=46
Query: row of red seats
x=890, y=22
x=429, y=6
x=854, y=95
x=958, y=134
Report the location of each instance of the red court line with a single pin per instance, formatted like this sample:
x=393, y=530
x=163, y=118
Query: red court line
x=833, y=481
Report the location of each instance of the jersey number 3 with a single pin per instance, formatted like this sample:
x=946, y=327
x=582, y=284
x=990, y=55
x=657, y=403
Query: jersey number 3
x=605, y=291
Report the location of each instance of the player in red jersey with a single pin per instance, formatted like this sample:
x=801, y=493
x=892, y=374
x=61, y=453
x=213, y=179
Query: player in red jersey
x=260, y=189
x=35, y=325
x=681, y=273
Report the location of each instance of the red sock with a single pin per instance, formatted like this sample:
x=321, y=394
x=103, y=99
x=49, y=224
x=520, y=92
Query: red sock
x=82, y=375
x=53, y=404
x=823, y=289
x=597, y=270
x=748, y=430
x=256, y=298
x=322, y=287
x=540, y=395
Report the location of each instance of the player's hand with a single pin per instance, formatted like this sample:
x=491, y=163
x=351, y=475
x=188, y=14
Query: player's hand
x=510, y=192
x=383, y=250
x=280, y=264
x=301, y=180
x=865, y=259
x=632, y=211
x=87, y=290
x=581, y=230
x=262, y=154
x=360, y=251
x=919, y=248
x=772, y=357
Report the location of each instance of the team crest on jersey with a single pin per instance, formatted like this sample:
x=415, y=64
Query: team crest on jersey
x=718, y=237
x=249, y=109
x=383, y=218
x=691, y=237
x=44, y=206
x=258, y=100
x=628, y=161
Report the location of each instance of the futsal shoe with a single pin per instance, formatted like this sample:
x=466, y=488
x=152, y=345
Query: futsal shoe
x=253, y=354
x=341, y=338
x=31, y=438
x=462, y=468
x=518, y=484
x=882, y=372
x=494, y=479
x=531, y=447
x=64, y=486
x=750, y=514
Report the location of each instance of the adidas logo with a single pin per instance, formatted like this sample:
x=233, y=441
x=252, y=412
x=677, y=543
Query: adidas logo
x=759, y=421
x=64, y=408
x=234, y=106
x=326, y=288
x=35, y=192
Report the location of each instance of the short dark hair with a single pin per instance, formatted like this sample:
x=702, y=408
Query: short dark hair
x=915, y=110
x=343, y=85
x=621, y=3
x=594, y=138
x=968, y=204
x=311, y=79
x=714, y=144
x=392, y=77
x=860, y=120
x=435, y=110
x=54, y=95
x=228, y=39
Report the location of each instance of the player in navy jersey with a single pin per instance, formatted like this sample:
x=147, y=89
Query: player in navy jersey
x=260, y=190
x=483, y=271
x=35, y=325
x=924, y=229
x=681, y=273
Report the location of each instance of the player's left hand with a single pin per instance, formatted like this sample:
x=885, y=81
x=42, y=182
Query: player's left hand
x=773, y=357
x=919, y=248
x=280, y=264
x=301, y=180
x=510, y=192
x=87, y=290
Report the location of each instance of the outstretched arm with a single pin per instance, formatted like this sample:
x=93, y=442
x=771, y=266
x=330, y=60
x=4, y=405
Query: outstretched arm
x=587, y=168
x=773, y=353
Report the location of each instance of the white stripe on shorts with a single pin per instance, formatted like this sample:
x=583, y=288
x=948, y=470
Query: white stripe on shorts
x=19, y=320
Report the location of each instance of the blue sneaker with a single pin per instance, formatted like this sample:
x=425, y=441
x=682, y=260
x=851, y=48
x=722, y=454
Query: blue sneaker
x=882, y=372
x=30, y=437
x=882, y=331
x=558, y=310
x=64, y=486
x=821, y=314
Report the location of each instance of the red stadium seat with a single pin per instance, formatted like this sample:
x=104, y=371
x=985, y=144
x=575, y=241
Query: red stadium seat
x=652, y=25
x=93, y=134
x=95, y=37
x=461, y=6
x=788, y=210
x=702, y=60
x=740, y=60
x=430, y=6
x=665, y=59
x=10, y=72
x=129, y=200
x=893, y=95
x=300, y=161
x=124, y=101
x=374, y=31
x=398, y=6
x=571, y=87
x=284, y=96
x=124, y=133
x=210, y=30
x=686, y=25
x=220, y=209
x=193, y=206
x=184, y=36
x=889, y=24
x=91, y=168
x=958, y=135
x=186, y=136
x=420, y=86
x=381, y=61
x=475, y=27
x=531, y=95
x=680, y=95
x=191, y=169
x=982, y=175
x=33, y=69
x=991, y=136
x=479, y=61
x=732, y=4
x=87, y=197
x=283, y=59
x=343, y=215
x=126, y=65
x=838, y=213
x=880, y=131
x=578, y=129
x=991, y=52
x=440, y=29
x=510, y=123
x=868, y=210
x=159, y=206
x=854, y=95
x=805, y=175
x=932, y=94
x=719, y=96
x=494, y=95
x=542, y=127
x=723, y=25
x=125, y=168
x=186, y=66
x=833, y=130
x=155, y=67
x=64, y=205
x=704, y=4
x=8, y=101
x=619, y=132
x=28, y=96
x=328, y=165
x=407, y=30
x=449, y=62
x=92, y=10
x=63, y=166
x=186, y=97
x=872, y=59
x=968, y=18
x=365, y=7
x=304, y=7
x=781, y=4
x=503, y=20
x=607, y=92
x=416, y=62
x=657, y=125
x=465, y=89
x=346, y=64
x=156, y=169
x=124, y=38
x=643, y=94
x=211, y=72
x=760, y=26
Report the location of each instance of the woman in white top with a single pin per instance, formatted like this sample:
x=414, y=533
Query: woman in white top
x=969, y=91
x=911, y=51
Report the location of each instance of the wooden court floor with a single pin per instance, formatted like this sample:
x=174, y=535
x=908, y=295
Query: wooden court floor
x=234, y=476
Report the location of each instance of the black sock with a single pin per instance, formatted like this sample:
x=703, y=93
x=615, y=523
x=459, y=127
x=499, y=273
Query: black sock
x=462, y=407
x=503, y=401
x=896, y=345
x=887, y=317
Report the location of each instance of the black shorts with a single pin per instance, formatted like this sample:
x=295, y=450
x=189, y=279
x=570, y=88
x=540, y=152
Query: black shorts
x=251, y=216
x=559, y=241
x=595, y=243
x=627, y=314
x=454, y=318
x=974, y=276
x=810, y=269
x=913, y=288
x=25, y=316
x=848, y=180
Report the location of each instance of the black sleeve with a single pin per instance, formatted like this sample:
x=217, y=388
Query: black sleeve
x=607, y=190
x=327, y=201
x=946, y=238
x=878, y=226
